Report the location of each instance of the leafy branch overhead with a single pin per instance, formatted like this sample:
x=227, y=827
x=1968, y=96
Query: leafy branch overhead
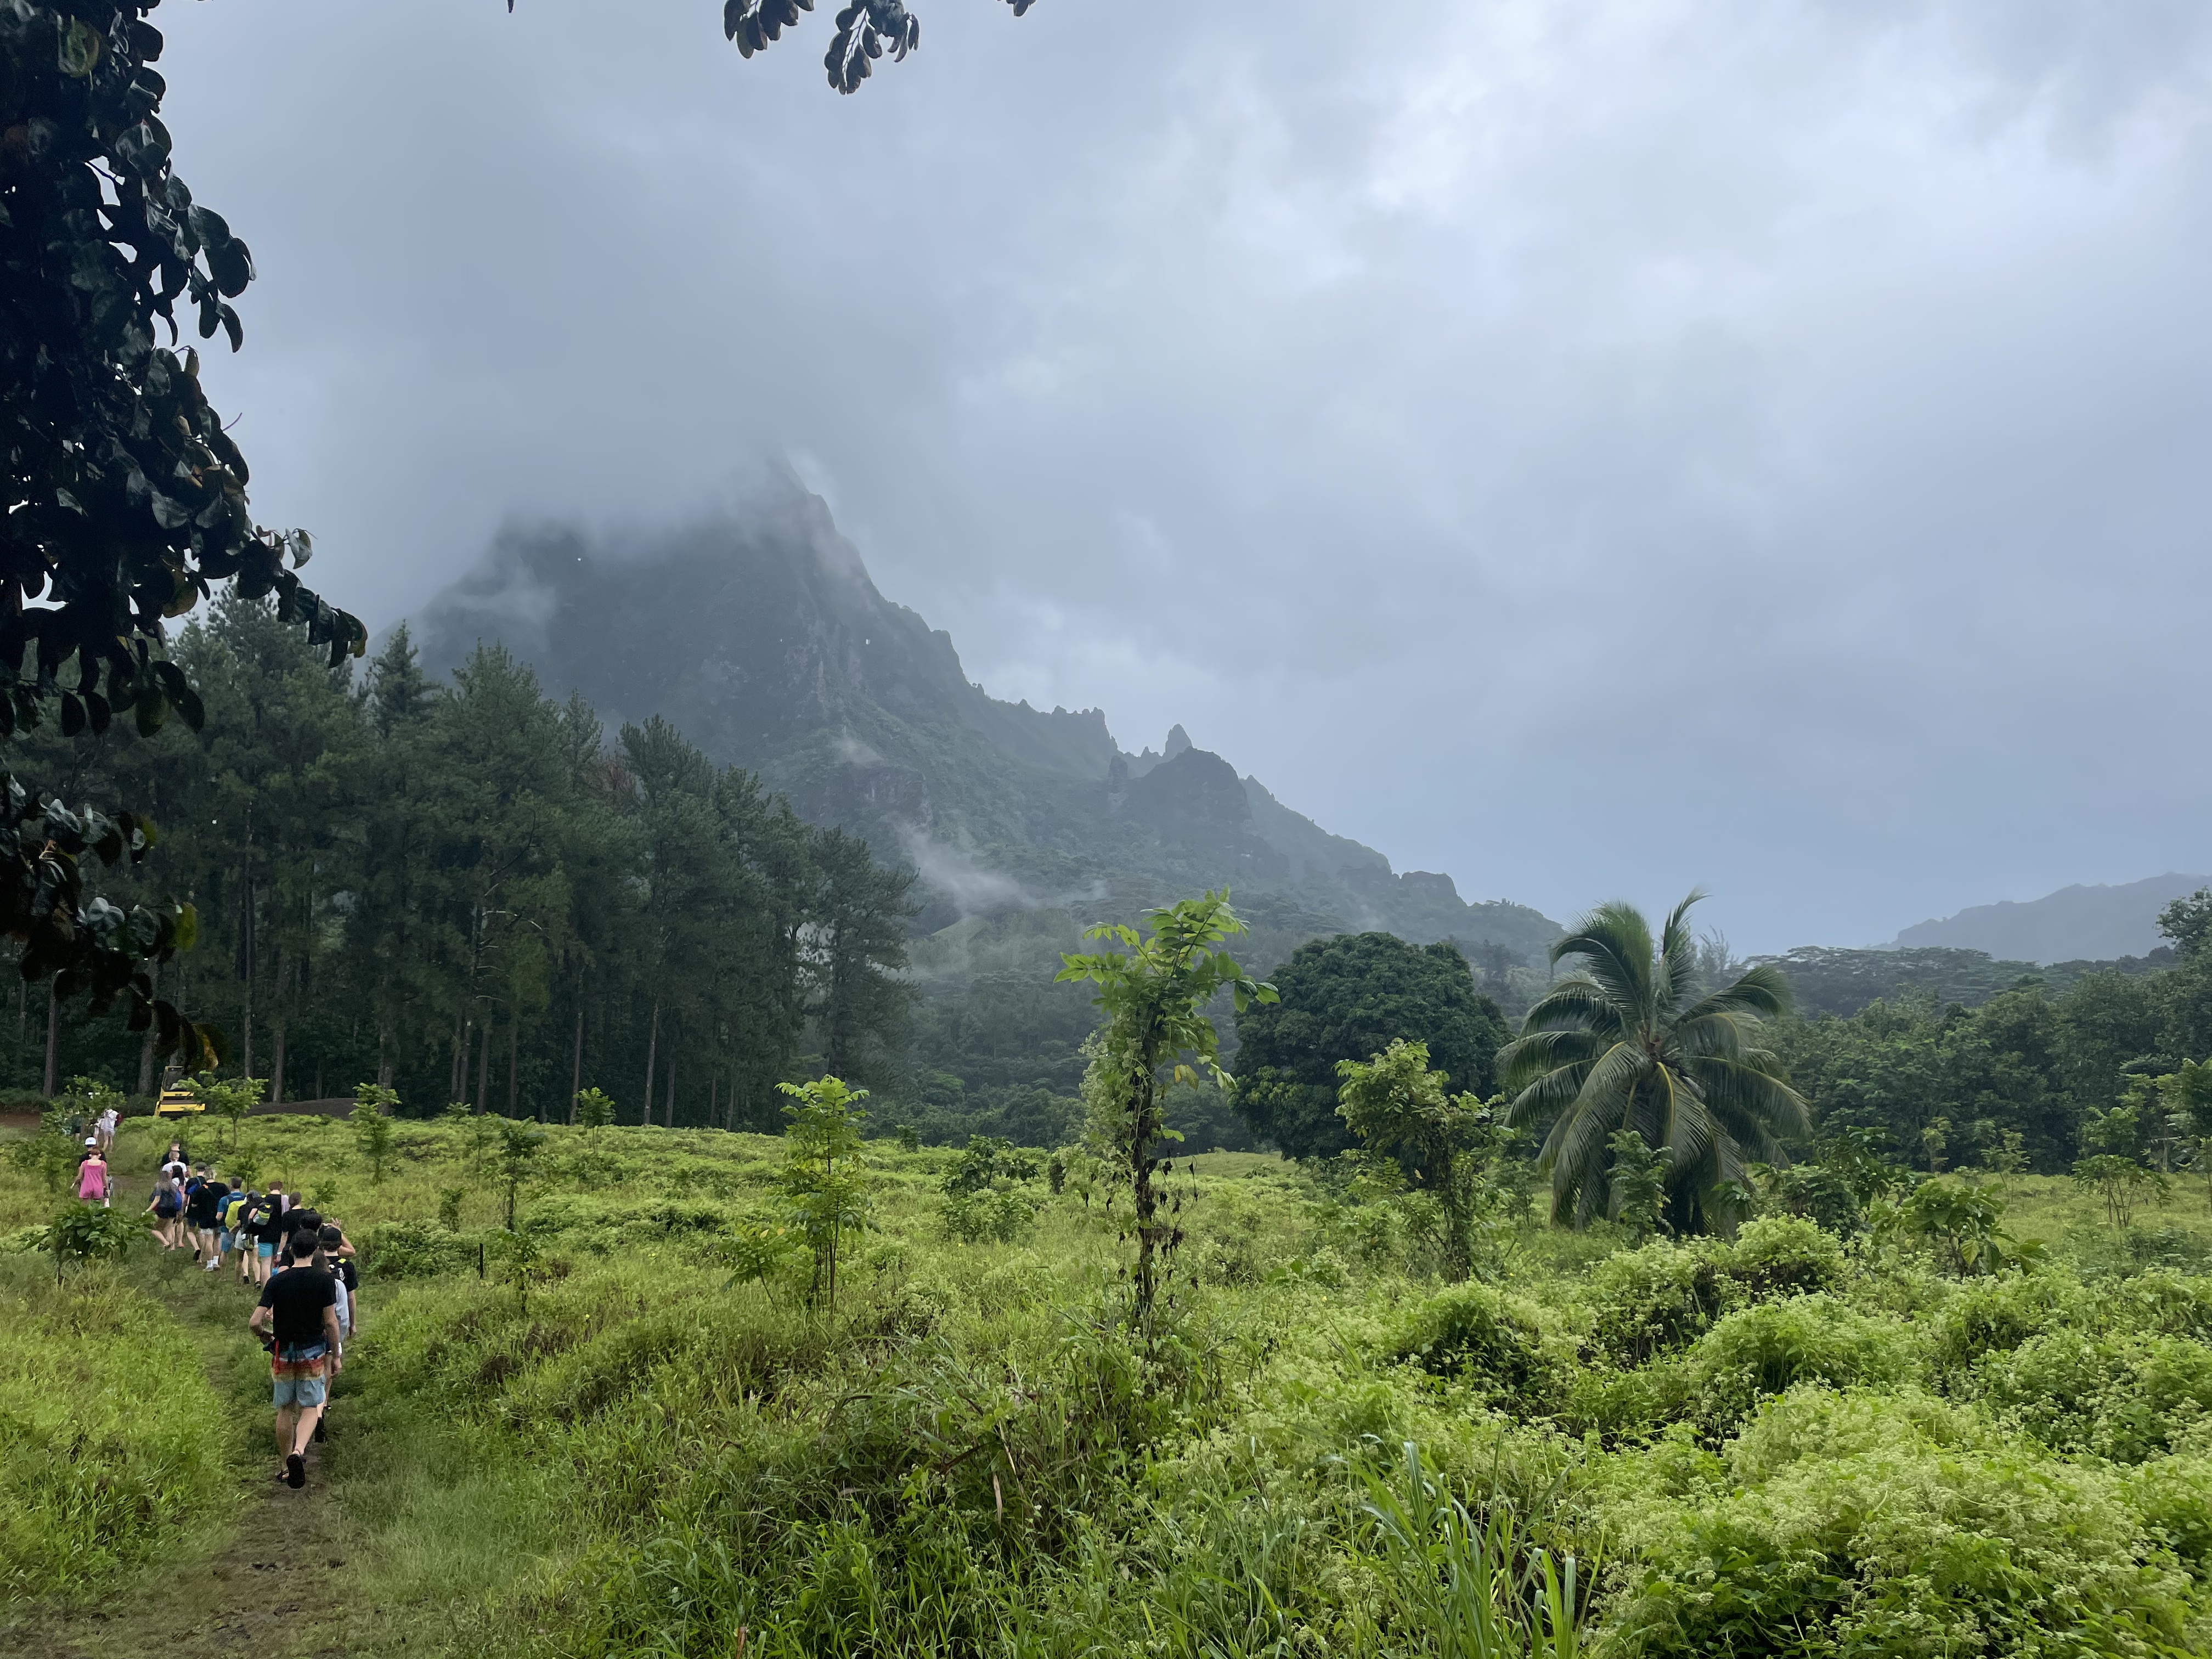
x=866, y=29
x=125, y=501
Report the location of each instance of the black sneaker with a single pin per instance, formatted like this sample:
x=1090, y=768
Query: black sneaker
x=319, y=1428
x=295, y=1471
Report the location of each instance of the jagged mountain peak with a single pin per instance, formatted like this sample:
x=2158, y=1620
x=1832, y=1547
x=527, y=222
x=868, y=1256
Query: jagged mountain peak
x=758, y=631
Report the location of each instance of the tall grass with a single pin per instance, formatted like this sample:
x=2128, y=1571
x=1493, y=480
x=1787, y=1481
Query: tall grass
x=1791, y=1444
x=112, y=1439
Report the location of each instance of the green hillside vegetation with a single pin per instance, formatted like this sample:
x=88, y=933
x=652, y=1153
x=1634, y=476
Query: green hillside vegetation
x=1827, y=979
x=2018, y=1080
x=633, y=1433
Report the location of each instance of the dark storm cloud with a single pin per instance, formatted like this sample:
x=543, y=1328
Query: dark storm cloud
x=1589, y=449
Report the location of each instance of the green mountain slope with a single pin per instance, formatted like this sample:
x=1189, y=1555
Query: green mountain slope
x=760, y=635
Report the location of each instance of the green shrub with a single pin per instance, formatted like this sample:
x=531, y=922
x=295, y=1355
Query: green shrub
x=2158, y=1301
x=1630, y=1404
x=1864, y=1525
x=1961, y=1224
x=1995, y=1316
x=93, y=1232
x=1485, y=1337
x=412, y=1250
x=1648, y=1302
x=2123, y=1397
x=1662, y=1297
x=1758, y=1352
x=758, y=1251
x=997, y=1214
x=2174, y=1497
x=1783, y=1256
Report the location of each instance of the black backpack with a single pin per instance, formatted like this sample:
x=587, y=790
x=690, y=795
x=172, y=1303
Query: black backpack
x=262, y=1212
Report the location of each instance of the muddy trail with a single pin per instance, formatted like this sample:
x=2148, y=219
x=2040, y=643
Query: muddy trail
x=274, y=1577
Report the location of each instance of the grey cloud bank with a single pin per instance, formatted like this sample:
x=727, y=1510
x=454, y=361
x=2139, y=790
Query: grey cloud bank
x=1588, y=450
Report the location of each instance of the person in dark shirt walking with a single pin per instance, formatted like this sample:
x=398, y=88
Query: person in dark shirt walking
x=297, y=1315
x=265, y=1222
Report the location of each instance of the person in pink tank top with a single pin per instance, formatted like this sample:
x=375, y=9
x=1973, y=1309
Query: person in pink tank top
x=92, y=1175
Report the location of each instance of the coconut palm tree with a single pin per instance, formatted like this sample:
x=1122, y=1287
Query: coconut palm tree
x=1631, y=1040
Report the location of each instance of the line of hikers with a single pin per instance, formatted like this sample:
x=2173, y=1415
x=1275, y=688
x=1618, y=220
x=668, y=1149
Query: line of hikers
x=310, y=1301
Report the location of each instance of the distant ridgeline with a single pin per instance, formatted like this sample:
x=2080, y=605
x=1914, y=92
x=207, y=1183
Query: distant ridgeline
x=1828, y=981
x=762, y=636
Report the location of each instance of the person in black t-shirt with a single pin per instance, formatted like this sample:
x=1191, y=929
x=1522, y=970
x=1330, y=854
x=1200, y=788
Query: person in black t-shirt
x=297, y=1314
x=266, y=1224
x=201, y=1203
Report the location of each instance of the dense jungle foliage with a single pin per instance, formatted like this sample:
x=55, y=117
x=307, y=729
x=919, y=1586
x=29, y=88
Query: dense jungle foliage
x=466, y=892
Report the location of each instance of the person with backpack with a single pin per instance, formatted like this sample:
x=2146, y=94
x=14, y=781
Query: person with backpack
x=202, y=1213
x=329, y=1240
x=167, y=1208
x=188, y=1189
x=264, y=1224
x=297, y=1318
x=230, y=1217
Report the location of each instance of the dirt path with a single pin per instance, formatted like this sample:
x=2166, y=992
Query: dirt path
x=274, y=1578
x=278, y=1590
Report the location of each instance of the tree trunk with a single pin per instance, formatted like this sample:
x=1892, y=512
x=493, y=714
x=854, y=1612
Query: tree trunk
x=1143, y=1133
x=276, y=1059
x=246, y=1043
x=652, y=1047
x=146, y=1048
x=713, y=1084
x=515, y=1069
x=454, y=1078
x=483, y=1069
x=576, y=1063
x=383, y=1060
x=53, y=1042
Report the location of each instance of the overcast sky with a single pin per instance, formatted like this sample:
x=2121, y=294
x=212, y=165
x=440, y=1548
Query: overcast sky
x=1588, y=448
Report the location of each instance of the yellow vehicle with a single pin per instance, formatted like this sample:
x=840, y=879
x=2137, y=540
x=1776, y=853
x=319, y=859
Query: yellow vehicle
x=178, y=1100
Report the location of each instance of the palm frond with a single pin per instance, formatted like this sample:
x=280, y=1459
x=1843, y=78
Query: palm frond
x=1574, y=1151
x=1762, y=991
x=1758, y=1106
x=1687, y=1127
x=1550, y=1094
x=1717, y=1033
x=1678, y=953
x=1613, y=942
x=1578, y=1001
x=1526, y=1058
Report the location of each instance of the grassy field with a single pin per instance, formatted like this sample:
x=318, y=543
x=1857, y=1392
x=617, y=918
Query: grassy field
x=609, y=1440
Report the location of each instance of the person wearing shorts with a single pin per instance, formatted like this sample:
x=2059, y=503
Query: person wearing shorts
x=339, y=1249
x=230, y=1210
x=203, y=1210
x=268, y=1235
x=298, y=1317
x=168, y=1209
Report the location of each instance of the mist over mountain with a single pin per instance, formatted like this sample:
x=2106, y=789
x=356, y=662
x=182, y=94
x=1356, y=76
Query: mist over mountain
x=2074, y=923
x=758, y=632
